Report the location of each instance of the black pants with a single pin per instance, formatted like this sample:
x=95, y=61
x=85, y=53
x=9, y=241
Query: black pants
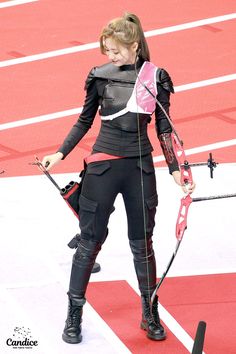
x=103, y=181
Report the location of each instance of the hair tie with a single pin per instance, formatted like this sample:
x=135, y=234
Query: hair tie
x=130, y=19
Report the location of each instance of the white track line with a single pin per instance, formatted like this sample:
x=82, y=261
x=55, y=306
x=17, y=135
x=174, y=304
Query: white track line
x=203, y=148
x=15, y=2
x=103, y=328
x=74, y=111
x=189, y=25
x=94, y=45
x=208, y=82
x=39, y=119
x=176, y=328
x=47, y=55
x=170, y=322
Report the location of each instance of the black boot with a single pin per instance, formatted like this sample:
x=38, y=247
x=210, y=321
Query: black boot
x=151, y=320
x=72, y=330
x=82, y=265
x=145, y=267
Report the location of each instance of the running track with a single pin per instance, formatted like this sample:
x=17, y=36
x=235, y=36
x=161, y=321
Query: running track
x=47, y=49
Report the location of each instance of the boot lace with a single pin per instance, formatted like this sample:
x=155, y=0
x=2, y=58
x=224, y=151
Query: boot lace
x=74, y=316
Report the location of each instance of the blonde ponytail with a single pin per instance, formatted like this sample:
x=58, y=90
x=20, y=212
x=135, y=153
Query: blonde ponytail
x=143, y=46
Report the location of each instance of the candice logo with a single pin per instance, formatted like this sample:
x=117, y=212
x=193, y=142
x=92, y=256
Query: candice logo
x=21, y=339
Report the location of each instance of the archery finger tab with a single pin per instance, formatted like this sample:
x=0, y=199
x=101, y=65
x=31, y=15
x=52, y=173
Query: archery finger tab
x=185, y=188
x=189, y=187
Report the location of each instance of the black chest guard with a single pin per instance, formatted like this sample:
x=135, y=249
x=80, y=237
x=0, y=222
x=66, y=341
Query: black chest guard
x=115, y=86
x=109, y=88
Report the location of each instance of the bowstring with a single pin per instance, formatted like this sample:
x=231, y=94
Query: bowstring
x=142, y=182
x=151, y=298
x=163, y=110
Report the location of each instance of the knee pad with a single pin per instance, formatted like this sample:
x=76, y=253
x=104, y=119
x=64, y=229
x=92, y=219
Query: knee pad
x=141, y=249
x=86, y=251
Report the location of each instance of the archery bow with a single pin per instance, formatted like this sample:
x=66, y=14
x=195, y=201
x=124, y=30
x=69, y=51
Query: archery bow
x=186, y=180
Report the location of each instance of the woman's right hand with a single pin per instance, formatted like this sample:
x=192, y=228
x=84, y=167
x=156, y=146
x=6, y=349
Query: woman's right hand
x=51, y=160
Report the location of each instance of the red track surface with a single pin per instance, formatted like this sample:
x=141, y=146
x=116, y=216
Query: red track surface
x=56, y=84
x=189, y=299
x=203, y=116
x=49, y=25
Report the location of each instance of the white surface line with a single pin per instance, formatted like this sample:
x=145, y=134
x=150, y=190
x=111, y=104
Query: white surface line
x=170, y=322
x=94, y=45
x=42, y=118
x=78, y=110
x=176, y=328
x=203, y=148
x=47, y=55
x=103, y=327
x=208, y=82
x=189, y=25
x=15, y=2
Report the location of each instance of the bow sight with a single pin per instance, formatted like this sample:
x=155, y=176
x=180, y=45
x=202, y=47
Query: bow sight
x=210, y=163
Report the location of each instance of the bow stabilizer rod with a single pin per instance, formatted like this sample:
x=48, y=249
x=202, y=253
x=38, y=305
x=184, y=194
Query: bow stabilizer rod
x=211, y=197
x=211, y=163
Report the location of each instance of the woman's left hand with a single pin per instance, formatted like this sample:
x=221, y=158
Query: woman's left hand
x=187, y=188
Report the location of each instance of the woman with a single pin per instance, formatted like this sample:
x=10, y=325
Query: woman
x=121, y=162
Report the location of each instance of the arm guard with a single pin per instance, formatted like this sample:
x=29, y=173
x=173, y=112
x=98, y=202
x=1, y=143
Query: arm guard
x=168, y=151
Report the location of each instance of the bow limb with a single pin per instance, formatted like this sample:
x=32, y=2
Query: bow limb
x=181, y=223
x=181, y=226
x=165, y=272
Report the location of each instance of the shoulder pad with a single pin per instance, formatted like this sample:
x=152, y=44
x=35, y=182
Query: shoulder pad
x=163, y=78
x=105, y=70
x=111, y=72
x=90, y=78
